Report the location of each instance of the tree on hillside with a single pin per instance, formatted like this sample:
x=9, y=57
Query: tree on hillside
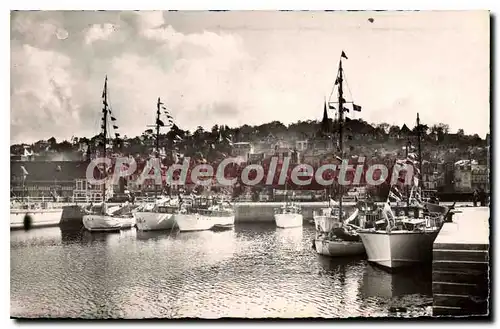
x=384, y=126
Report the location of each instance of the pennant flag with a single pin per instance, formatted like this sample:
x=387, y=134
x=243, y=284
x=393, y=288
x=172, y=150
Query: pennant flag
x=346, y=110
x=117, y=135
x=105, y=87
x=115, y=127
x=331, y=107
x=356, y=107
x=169, y=116
x=113, y=119
x=344, y=55
x=160, y=123
x=25, y=172
x=394, y=197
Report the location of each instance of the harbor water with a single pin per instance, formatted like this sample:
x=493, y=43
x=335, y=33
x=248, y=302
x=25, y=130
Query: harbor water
x=253, y=271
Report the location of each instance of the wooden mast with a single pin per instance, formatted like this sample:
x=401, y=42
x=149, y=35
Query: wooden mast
x=341, y=119
x=158, y=104
x=104, y=127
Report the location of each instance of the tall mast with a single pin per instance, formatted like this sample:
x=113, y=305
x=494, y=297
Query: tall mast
x=105, y=131
x=158, y=104
x=419, y=148
x=341, y=119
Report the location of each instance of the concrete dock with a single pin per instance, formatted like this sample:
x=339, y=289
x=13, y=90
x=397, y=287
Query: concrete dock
x=460, y=267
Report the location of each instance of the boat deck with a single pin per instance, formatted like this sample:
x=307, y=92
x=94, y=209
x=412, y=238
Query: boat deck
x=460, y=267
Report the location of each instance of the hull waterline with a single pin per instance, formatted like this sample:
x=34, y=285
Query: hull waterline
x=288, y=220
x=33, y=218
x=398, y=248
x=102, y=223
x=152, y=221
x=334, y=248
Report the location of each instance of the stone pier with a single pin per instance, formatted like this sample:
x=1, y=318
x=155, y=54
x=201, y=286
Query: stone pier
x=460, y=267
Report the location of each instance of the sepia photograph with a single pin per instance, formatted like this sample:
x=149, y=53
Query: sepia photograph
x=200, y=164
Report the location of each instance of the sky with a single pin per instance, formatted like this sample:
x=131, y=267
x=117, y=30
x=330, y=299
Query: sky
x=238, y=68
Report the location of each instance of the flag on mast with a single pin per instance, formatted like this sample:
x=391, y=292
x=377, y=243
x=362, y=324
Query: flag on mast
x=343, y=55
x=105, y=87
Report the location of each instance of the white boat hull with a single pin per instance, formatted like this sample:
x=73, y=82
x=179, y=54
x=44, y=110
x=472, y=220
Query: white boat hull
x=154, y=221
x=398, y=248
x=225, y=221
x=102, y=223
x=194, y=222
x=288, y=220
x=338, y=248
x=128, y=222
x=326, y=223
x=39, y=217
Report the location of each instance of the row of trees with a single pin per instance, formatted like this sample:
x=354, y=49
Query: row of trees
x=217, y=141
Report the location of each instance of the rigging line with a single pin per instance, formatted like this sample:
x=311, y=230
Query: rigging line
x=348, y=88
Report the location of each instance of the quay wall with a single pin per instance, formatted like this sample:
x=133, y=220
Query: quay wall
x=460, y=266
x=264, y=211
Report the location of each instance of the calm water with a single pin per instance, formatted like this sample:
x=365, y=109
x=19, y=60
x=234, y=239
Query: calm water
x=256, y=270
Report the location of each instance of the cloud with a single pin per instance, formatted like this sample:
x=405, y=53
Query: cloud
x=42, y=97
x=99, y=32
x=237, y=68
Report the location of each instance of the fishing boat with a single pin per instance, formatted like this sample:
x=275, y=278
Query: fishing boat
x=202, y=213
x=156, y=216
x=26, y=213
x=160, y=214
x=336, y=236
x=289, y=215
x=406, y=238
x=102, y=217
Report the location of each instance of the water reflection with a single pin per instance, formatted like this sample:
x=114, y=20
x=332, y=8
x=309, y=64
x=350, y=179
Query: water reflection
x=289, y=238
x=380, y=283
x=255, y=270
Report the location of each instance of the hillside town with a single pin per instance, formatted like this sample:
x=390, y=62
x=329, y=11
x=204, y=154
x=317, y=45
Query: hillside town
x=453, y=163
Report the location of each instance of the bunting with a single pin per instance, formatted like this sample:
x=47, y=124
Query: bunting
x=25, y=172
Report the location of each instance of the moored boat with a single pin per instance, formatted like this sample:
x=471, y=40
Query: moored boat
x=289, y=215
x=407, y=239
x=157, y=216
x=27, y=216
x=102, y=217
x=336, y=235
x=200, y=214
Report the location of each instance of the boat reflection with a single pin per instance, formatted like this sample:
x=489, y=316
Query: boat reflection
x=154, y=235
x=289, y=238
x=335, y=264
x=380, y=283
